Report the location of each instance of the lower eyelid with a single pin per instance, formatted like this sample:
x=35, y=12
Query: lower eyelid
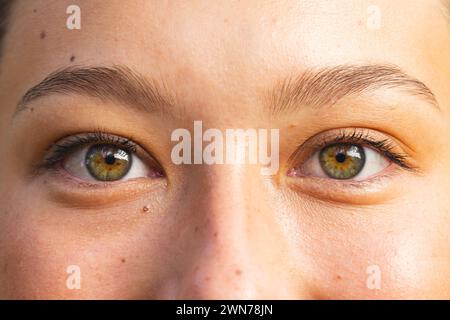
x=375, y=189
x=70, y=191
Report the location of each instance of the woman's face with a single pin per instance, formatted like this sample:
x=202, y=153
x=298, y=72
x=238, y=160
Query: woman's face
x=94, y=202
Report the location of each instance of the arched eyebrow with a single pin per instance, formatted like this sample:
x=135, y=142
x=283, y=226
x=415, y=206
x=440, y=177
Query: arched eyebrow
x=328, y=85
x=313, y=87
x=116, y=83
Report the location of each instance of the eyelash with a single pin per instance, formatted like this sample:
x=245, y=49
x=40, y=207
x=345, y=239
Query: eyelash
x=62, y=148
x=362, y=136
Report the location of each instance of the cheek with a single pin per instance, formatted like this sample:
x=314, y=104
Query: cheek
x=47, y=251
x=392, y=251
x=370, y=267
x=33, y=256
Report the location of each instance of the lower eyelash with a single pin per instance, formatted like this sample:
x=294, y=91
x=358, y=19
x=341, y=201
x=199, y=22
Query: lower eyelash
x=59, y=150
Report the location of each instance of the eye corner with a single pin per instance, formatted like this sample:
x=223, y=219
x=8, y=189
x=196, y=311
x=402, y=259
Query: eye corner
x=336, y=154
x=101, y=157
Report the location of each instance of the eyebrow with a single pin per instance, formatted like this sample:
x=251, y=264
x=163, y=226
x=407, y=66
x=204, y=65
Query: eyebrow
x=116, y=83
x=327, y=86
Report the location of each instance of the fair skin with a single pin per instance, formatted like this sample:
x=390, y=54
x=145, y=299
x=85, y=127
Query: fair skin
x=225, y=231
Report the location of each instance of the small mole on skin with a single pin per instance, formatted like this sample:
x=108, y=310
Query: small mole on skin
x=34, y=10
x=72, y=58
x=196, y=229
x=31, y=109
x=338, y=277
x=145, y=209
x=43, y=35
x=238, y=272
x=123, y=260
x=215, y=234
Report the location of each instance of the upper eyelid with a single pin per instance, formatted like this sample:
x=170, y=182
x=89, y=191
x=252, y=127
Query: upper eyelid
x=359, y=135
x=60, y=148
x=98, y=136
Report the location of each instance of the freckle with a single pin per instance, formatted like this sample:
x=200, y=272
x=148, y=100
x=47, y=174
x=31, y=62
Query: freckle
x=291, y=126
x=215, y=234
x=338, y=277
x=123, y=260
x=31, y=109
x=34, y=10
x=238, y=272
x=225, y=20
x=72, y=58
x=43, y=35
x=196, y=229
x=208, y=278
x=145, y=209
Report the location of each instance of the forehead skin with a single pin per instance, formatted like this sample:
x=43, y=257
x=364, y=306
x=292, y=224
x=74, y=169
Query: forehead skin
x=220, y=56
x=226, y=47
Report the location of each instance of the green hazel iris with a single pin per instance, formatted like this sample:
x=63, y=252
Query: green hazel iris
x=107, y=162
x=342, y=160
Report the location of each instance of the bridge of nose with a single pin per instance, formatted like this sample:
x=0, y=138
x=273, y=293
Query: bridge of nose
x=235, y=246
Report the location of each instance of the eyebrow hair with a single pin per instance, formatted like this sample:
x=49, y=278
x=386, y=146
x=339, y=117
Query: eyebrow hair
x=328, y=85
x=313, y=87
x=116, y=83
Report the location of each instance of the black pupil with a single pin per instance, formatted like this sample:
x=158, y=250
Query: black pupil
x=110, y=159
x=340, y=157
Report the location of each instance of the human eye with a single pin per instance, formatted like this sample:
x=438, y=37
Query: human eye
x=99, y=157
x=351, y=161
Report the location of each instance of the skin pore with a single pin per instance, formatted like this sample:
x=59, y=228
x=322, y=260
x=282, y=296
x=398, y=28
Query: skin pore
x=226, y=231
